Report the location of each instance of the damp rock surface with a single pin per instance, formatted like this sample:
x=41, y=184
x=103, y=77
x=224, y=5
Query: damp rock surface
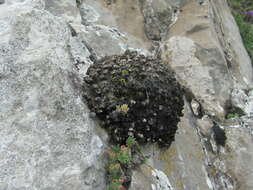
x=134, y=95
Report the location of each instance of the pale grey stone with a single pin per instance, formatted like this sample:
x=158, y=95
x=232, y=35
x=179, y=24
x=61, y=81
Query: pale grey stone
x=196, y=107
x=205, y=49
x=157, y=18
x=240, y=100
x=67, y=10
x=47, y=140
x=205, y=124
x=183, y=162
x=231, y=42
x=201, y=70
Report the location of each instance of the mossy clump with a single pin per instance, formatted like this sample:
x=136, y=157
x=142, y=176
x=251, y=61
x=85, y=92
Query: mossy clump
x=135, y=95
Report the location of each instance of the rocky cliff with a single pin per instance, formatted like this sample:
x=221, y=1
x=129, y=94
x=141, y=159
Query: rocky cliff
x=51, y=141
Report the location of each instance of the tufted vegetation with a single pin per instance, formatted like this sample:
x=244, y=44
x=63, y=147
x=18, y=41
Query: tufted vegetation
x=134, y=95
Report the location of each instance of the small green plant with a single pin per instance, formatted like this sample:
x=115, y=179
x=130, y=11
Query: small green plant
x=232, y=115
x=123, y=109
x=131, y=141
x=124, y=157
x=120, y=160
x=114, y=171
x=116, y=149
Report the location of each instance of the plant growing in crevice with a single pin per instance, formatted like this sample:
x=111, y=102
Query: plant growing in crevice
x=232, y=115
x=137, y=99
x=234, y=112
x=121, y=162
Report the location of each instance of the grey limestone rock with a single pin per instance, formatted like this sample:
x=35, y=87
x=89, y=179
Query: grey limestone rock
x=205, y=49
x=202, y=71
x=47, y=140
x=157, y=18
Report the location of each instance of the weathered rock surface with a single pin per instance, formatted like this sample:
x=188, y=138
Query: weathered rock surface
x=67, y=10
x=204, y=48
x=202, y=71
x=158, y=15
x=196, y=161
x=184, y=161
x=129, y=23
x=47, y=140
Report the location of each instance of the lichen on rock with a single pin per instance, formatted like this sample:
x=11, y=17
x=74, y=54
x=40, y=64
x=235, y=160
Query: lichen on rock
x=135, y=95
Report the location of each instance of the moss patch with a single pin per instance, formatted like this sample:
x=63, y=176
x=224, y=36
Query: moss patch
x=134, y=95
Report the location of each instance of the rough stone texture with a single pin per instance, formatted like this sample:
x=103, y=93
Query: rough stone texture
x=129, y=22
x=238, y=157
x=196, y=108
x=229, y=37
x=103, y=40
x=202, y=71
x=205, y=50
x=47, y=140
x=43, y=120
x=207, y=55
x=183, y=162
x=148, y=178
x=243, y=100
x=158, y=15
x=67, y=10
x=199, y=162
x=141, y=179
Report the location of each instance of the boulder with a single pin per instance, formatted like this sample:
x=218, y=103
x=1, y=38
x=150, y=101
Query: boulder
x=202, y=71
x=48, y=141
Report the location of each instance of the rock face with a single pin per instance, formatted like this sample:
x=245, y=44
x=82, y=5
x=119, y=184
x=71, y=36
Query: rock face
x=48, y=140
x=157, y=18
x=203, y=50
x=201, y=70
